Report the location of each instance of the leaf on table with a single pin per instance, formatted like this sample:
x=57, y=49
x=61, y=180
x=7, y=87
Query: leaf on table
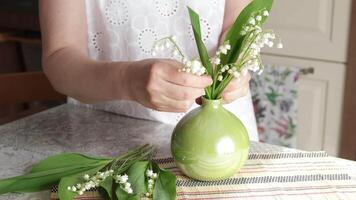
x=234, y=34
x=203, y=53
x=63, y=192
x=5, y=185
x=165, y=185
x=123, y=195
x=137, y=177
x=37, y=181
x=66, y=160
x=61, y=170
x=108, y=185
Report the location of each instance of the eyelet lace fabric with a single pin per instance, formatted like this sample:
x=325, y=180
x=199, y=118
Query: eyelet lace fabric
x=125, y=30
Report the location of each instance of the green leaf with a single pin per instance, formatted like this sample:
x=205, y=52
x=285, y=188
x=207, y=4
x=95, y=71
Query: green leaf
x=108, y=185
x=122, y=195
x=58, y=170
x=37, y=181
x=165, y=185
x=234, y=34
x=137, y=177
x=66, y=160
x=63, y=192
x=203, y=53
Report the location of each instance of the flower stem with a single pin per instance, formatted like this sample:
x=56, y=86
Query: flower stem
x=176, y=46
x=125, y=160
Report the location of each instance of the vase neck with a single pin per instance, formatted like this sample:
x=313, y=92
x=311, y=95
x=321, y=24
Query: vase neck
x=214, y=103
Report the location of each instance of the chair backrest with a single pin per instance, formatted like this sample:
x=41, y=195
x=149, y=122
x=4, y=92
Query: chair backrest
x=26, y=87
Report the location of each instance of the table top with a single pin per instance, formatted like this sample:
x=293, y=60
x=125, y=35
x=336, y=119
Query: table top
x=70, y=128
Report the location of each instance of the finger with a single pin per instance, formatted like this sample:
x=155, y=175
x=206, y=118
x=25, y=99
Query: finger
x=171, y=105
x=189, y=80
x=179, y=92
x=173, y=63
x=229, y=97
x=170, y=73
x=238, y=83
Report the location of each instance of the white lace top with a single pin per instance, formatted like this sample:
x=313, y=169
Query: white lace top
x=125, y=30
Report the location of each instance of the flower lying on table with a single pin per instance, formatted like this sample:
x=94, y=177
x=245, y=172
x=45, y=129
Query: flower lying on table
x=130, y=176
x=239, y=54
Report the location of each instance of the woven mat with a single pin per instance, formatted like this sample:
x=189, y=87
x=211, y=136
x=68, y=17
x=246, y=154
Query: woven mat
x=286, y=175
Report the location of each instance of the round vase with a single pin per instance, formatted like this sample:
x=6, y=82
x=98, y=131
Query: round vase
x=210, y=143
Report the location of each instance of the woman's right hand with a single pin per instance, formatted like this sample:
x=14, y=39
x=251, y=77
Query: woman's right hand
x=157, y=84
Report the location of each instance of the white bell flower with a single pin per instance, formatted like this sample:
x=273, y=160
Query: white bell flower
x=259, y=18
x=265, y=13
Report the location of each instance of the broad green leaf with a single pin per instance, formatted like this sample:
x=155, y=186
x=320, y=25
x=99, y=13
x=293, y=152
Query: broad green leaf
x=5, y=185
x=137, y=178
x=63, y=192
x=57, y=170
x=65, y=160
x=104, y=195
x=122, y=195
x=136, y=174
x=37, y=181
x=165, y=186
x=203, y=53
x=234, y=34
x=108, y=185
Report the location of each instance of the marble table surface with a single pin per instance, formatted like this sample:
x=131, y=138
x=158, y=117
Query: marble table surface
x=70, y=128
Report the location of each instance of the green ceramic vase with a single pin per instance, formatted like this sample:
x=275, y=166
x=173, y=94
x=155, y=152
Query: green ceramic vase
x=210, y=143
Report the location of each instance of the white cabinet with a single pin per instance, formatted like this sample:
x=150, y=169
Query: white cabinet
x=315, y=35
x=315, y=29
x=319, y=103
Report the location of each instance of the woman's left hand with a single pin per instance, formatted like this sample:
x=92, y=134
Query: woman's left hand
x=237, y=88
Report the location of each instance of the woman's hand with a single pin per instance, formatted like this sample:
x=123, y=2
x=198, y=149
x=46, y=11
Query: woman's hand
x=157, y=84
x=237, y=88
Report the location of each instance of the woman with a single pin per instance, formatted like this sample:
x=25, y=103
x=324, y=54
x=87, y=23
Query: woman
x=99, y=53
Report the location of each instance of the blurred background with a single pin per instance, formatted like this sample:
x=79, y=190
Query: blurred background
x=24, y=90
x=306, y=98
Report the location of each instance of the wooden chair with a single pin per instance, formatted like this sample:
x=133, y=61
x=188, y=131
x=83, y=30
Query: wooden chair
x=17, y=37
x=24, y=88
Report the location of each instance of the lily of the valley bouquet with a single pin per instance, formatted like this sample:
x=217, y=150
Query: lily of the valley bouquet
x=239, y=54
x=222, y=147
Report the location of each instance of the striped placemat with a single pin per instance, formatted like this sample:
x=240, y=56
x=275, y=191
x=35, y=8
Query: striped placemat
x=284, y=175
